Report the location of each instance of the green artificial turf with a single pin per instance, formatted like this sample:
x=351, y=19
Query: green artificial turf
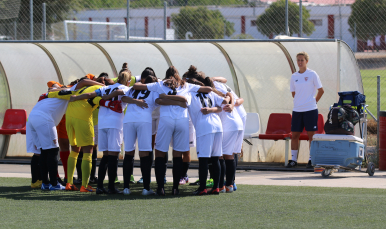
x=248, y=207
x=369, y=80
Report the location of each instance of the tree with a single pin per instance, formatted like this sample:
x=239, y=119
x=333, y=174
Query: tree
x=369, y=16
x=203, y=23
x=273, y=19
x=242, y=36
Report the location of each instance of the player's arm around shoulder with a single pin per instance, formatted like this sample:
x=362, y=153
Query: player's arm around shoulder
x=63, y=94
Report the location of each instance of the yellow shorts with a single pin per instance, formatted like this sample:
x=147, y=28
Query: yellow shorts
x=80, y=133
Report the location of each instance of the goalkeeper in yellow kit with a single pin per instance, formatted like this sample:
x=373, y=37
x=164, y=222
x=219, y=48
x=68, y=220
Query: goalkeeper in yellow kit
x=80, y=131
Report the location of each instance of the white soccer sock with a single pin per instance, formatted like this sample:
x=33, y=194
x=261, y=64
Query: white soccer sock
x=294, y=154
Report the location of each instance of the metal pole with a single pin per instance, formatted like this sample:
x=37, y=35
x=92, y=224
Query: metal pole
x=128, y=20
x=378, y=109
x=286, y=18
x=340, y=21
x=44, y=22
x=15, y=30
x=165, y=19
x=355, y=37
x=31, y=19
x=300, y=19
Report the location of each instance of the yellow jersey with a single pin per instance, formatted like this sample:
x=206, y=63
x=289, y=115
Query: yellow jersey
x=80, y=109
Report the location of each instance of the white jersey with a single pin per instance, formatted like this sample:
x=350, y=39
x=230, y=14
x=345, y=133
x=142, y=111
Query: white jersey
x=51, y=109
x=305, y=85
x=209, y=123
x=240, y=109
x=174, y=112
x=135, y=113
x=231, y=121
x=106, y=117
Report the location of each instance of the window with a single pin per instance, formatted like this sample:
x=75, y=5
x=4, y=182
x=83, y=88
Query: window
x=317, y=22
x=253, y=22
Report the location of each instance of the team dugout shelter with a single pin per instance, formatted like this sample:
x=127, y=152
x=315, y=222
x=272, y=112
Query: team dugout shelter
x=257, y=70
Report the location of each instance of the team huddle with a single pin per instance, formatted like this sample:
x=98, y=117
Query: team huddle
x=141, y=112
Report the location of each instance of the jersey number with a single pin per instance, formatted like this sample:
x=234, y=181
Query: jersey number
x=144, y=93
x=172, y=93
x=203, y=97
x=108, y=92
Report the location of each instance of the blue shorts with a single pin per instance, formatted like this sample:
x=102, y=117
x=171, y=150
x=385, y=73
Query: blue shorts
x=307, y=119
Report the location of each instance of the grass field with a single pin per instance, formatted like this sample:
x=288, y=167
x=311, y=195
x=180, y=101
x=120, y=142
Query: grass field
x=248, y=207
x=369, y=80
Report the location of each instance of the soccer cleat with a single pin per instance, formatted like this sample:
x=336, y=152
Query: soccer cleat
x=93, y=180
x=132, y=181
x=60, y=181
x=229, y=188
x=182, y=181
x=37, y=184
x=46, y=186
x=117, y=181
x=197, y=182
x=57, y=187
x=114, y=191
x=147, y=192
x=126, y=191
x=214, y=191
x=71, y=187
x=223, y=190
x=88, y=189
x=100, y=191
x=77, y=181
x=160, y=192
x=140, y=181
x=291, y=164
x=200, y=192
x=209, y=183
x=234, y=186
x=309, y=165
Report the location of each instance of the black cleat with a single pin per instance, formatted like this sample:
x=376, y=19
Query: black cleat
x=77, y=181
x=197, y=182
x=160, y=192
x=309, y=165
x=114, y=191
x=61, y=181
x=291, y=164
x=93, y=180
x=101, y=191
x=200, y=192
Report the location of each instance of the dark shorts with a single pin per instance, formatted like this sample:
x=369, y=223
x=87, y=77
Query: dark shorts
x=307, y=119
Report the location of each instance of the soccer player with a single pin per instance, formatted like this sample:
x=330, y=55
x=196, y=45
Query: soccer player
x=202, y=108
x=80, y=131
x=110, y=131
x=304, y=85
x=138, y=126
x=174, y=123
x=232, y=131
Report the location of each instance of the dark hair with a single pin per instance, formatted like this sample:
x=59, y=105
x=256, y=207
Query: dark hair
x=151, y=79
x=194, y=81
x=147, y=72
x=172, y=78
x=125, y=68
x=191, y=73
x=207, y=81
x=103, y=74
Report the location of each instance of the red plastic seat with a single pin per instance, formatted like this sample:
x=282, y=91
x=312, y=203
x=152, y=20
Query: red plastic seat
x=304, y=136
x=278, y=128
x=14, y=122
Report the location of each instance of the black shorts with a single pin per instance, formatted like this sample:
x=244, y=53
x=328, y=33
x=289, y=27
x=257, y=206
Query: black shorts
x=307, y=119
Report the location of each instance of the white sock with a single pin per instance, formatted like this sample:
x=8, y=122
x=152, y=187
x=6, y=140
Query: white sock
x=294, y=154
x=310, y=158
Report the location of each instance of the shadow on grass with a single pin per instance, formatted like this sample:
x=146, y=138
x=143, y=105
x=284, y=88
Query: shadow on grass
x=26, y=193
x=333, y=176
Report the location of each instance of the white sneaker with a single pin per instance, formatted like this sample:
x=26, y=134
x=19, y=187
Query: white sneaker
x=126, y=191
x=147, y=193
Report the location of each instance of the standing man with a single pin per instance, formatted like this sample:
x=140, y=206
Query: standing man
x=304, y=85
